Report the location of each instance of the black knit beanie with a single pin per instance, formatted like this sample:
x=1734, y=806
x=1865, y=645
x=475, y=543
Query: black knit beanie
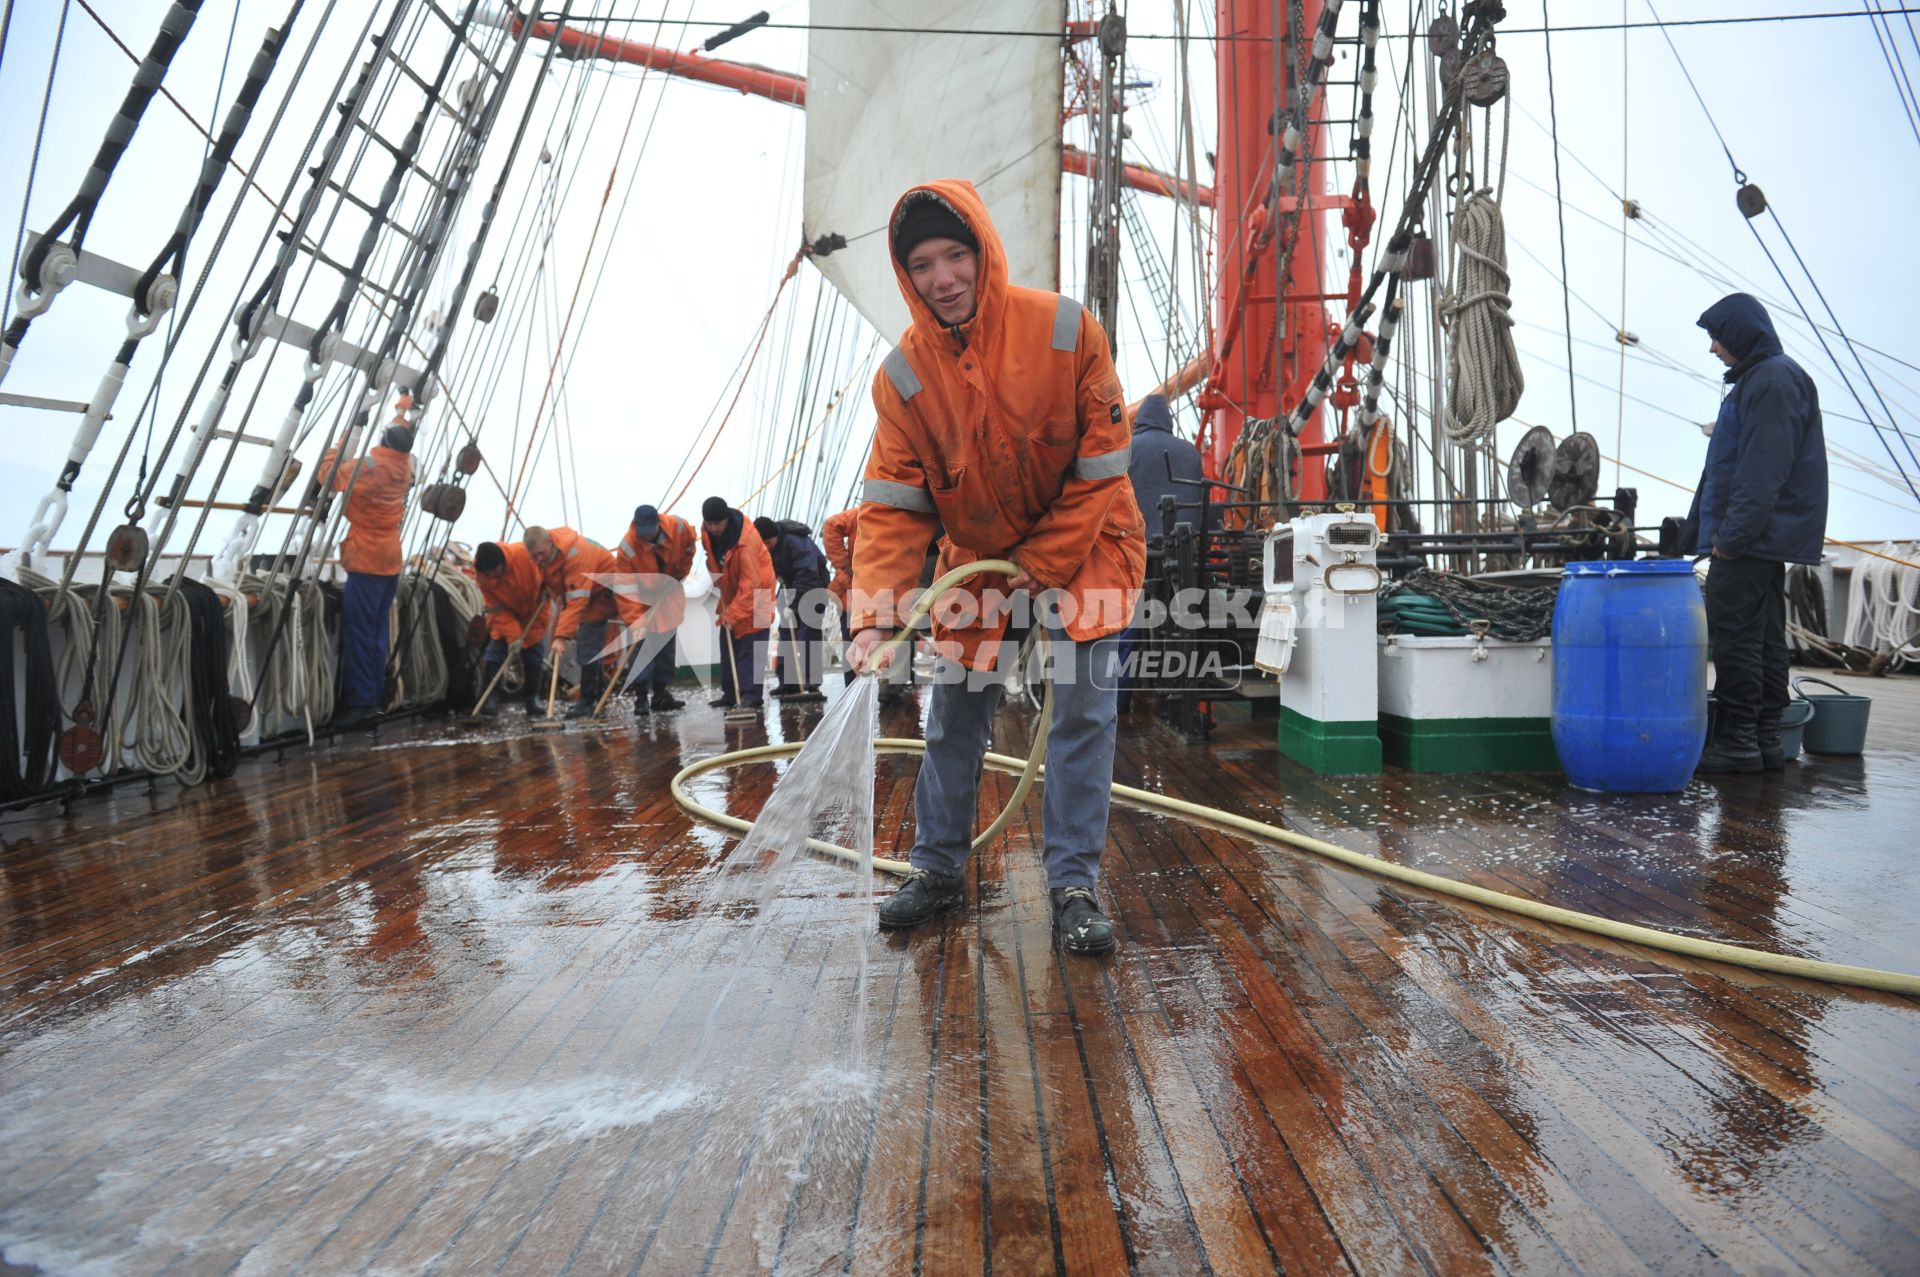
x=489, y=557
x=714, y=509
x=399, y=438
x=928, y=217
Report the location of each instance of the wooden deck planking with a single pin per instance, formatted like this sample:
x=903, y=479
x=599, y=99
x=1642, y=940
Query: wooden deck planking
x=1287, y=1064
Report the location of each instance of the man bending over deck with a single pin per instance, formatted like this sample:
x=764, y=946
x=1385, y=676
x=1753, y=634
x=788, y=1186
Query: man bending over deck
x=1001, y=419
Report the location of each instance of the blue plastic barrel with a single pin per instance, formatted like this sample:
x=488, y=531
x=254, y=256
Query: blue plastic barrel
x=1630, y=675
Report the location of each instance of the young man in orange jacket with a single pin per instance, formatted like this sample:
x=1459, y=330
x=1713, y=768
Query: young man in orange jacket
x=743, y=577
x=1001, y=419
x=518, y=609
x=371, y=555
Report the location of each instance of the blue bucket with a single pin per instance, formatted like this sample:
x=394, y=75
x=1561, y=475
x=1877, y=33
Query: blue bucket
x=1839, y=723
x=1630, y=675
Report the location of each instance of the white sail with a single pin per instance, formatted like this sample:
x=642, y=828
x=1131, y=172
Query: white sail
x=885, y=112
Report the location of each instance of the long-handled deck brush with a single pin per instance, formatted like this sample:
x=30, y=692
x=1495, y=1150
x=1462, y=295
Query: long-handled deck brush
x=552, y=722
x=736, y=713
x=513, y=653
x=806, y=695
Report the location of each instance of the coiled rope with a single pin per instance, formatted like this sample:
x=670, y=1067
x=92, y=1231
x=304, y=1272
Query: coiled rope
x=1884, y=614
x=1484, y=381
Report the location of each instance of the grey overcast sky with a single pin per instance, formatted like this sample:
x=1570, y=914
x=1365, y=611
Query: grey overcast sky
x=687, y=263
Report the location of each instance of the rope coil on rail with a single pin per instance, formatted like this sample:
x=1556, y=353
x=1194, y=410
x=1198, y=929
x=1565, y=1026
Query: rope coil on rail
x=1031, y=768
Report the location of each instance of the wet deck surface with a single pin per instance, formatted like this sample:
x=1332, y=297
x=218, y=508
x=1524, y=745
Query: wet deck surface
x=443, y=1001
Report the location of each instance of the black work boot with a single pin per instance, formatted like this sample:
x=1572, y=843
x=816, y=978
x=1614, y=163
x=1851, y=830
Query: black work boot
x=923, y=897
x=1078, y=924
x=664, y=699
x=1767, y=736
x=1735, y=748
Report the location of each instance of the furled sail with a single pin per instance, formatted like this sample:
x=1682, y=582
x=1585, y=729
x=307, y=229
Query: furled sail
x=885, y=112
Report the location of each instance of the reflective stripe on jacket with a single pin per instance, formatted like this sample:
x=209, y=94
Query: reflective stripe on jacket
x=375, y=508
x=1011, y=433
x=570, y=577
x=660, y=607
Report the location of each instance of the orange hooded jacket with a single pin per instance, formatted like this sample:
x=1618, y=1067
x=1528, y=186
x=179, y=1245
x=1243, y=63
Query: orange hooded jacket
x=837, y=536
x=374, y=509
x=515, y=606
x=1010, y=432
x=746, y=584
x=661, y=607
x=570, y=578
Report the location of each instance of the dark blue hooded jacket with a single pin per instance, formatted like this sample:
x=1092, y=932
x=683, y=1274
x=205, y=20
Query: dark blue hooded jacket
x=1154, y=445
x=1763, y=491
x=797, y=561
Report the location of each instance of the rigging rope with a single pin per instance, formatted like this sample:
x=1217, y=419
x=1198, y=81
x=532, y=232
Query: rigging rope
x=1484, y=380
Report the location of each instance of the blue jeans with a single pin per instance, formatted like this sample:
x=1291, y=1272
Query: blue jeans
x=1077, y=790
x=363, y=638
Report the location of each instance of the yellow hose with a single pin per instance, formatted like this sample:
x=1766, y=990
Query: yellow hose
x=1031, y=768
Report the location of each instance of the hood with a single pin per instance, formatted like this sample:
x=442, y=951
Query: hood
x=1152, y=414
x=1741, y=324
x=965, y=203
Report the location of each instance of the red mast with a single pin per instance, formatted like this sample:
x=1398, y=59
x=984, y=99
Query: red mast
x=1259, y=370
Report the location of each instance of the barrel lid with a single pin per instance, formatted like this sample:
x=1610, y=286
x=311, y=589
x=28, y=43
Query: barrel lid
x=1631, y=567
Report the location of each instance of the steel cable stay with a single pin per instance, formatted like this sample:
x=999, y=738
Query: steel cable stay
x=84, y=627
x=410, y=649
x=1740, y=178
x=448, y=190
x=1656, y=358
x=516, y=489
x=149, y=564
x=424, y=397
x=324, y=346
x=440, y=461
x=154, y=293
x=1677, y=247
x=250, y=315
x=33, y=164
x=50, y=264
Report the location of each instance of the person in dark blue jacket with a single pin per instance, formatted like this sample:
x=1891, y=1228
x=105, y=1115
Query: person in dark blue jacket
x=802, y=568
x=1155, y=449
x=1159, y=459
x=1761, y=504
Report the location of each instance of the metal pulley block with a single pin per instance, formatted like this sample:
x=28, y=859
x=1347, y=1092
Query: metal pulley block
x=127, y=547
x=81, y=748
x=1443, y=35
x=1113, y=35
x=1751, y=201
x=468, y=459
x=486, y=305
x=1484, y=78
